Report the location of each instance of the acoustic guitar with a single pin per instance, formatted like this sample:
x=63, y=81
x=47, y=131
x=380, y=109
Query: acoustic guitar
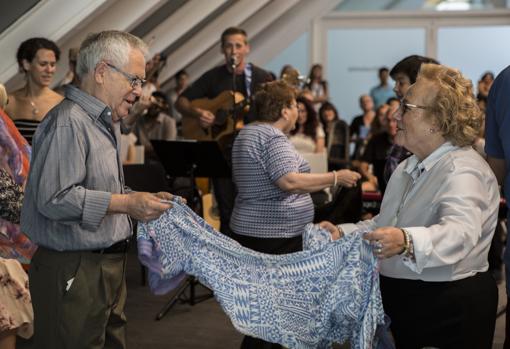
x=224, y=109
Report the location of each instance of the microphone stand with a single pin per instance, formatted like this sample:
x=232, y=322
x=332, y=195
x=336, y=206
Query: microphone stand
x=233, y=65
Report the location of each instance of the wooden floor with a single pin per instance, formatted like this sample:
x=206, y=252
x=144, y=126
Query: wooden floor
x=203, y=326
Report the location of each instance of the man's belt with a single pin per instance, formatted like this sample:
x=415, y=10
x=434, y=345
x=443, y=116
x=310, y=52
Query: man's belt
x=118, y=247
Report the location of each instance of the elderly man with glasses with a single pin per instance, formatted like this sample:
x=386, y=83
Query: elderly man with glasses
x=76, y=207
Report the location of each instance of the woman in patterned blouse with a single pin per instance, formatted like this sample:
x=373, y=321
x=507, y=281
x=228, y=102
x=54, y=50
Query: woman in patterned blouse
x=11, y=198
x=15, y=308
x=273, y=203
x=16, y=315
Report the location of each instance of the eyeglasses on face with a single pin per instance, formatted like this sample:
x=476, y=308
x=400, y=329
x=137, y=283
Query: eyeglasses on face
x=134, y=81
x=406, y=106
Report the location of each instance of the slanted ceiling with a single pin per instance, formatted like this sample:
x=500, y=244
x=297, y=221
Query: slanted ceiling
x=186, y=31
x=13, y=10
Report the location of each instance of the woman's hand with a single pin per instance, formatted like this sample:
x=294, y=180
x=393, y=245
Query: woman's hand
x=387, y=241
x=347, y=178
x=335, y=232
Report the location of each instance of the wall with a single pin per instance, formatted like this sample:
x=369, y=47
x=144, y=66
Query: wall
x=295, y=53
x=474, y=50
x=355, y=55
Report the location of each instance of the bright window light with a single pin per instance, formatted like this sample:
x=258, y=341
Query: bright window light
x=453, y=5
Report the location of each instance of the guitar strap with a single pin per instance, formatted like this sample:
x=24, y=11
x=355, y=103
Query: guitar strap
x=247, y=79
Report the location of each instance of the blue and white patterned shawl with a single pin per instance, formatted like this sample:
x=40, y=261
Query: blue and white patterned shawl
x=327, y=293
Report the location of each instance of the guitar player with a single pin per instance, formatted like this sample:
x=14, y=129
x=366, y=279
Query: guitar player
x=235, y=48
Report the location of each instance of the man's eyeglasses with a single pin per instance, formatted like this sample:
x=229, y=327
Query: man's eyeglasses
x=134, y=81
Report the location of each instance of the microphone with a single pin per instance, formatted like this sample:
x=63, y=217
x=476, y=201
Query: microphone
x=233, y=62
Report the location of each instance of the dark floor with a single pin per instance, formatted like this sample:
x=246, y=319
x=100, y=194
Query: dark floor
x=203, y=326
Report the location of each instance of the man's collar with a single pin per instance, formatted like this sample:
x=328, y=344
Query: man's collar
x=93, y=107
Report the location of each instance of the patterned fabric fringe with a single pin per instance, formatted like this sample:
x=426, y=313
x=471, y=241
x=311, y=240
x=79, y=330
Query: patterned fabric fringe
x=327, y=293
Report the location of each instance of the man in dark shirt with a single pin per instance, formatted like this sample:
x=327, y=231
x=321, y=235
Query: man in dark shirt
x=377, y=149
x=248, y=77
x=404, y=73
x=497, y=147
x=360, y=125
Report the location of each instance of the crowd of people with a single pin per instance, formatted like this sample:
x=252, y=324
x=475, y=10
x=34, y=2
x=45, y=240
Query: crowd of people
x=68, y=213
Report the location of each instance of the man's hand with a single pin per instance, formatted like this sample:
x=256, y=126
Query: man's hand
x=146, y=206
x=163, y=195
x=206, y=118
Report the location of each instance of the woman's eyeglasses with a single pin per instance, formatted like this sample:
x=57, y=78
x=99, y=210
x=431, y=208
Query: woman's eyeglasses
x=405, y=107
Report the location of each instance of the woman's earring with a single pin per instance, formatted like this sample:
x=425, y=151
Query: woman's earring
x=432, y=130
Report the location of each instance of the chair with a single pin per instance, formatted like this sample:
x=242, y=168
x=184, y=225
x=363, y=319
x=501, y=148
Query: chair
x=150, y=177
x=346, y=207
x=338, y=146
x=318, y=164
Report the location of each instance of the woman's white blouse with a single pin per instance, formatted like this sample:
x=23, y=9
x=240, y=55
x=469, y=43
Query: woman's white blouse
x=449, y=205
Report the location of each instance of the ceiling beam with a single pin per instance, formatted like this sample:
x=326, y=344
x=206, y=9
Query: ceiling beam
x=123, y=15
x=253, y=26
x=288, y=28
x=180, y=22
x=209, y=36
x=392, y=4
x=279, y=22
x=52, y=19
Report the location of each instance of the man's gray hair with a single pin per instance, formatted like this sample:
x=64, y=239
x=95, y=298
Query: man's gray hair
x=112, y=46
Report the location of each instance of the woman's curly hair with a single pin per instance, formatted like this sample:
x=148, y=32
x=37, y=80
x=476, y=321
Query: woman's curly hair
x=454, y=106
x=271, y=98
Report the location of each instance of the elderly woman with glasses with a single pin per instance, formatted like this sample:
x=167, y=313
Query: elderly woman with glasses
x=273, y=203
x=437, y=219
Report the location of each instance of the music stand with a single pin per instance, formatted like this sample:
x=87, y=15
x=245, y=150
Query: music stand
x=190, y=158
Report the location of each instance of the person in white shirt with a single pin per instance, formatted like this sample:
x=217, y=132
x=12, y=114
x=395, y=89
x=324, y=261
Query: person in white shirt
x=437, y=219
x=308, y=135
